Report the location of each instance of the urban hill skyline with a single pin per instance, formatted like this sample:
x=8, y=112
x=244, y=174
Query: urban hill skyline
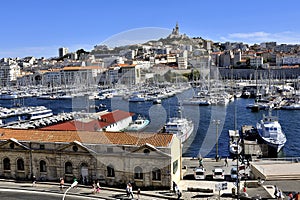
x=33, y=28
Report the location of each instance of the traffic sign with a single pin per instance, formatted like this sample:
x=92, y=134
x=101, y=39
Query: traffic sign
x=221, y=186
x=224, y=186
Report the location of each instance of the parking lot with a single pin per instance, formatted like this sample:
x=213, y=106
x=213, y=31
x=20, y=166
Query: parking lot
x=210, y=165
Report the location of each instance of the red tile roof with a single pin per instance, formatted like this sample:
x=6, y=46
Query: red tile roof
x=75, y=68
x=126, y=65
x=117, y=138
x=115, y=116
x=93, y=125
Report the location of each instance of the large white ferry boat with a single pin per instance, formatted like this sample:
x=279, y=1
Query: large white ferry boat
x=269, y=130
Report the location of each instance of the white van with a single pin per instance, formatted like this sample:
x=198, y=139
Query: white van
x=218, y=173
x=199, y=173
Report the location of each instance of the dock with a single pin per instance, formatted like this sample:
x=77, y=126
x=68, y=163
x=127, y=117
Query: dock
x=251, y=145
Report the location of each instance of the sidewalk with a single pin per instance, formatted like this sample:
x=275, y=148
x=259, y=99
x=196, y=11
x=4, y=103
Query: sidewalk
x=86, y=191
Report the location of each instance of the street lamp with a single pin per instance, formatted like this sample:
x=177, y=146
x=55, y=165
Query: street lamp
x=73, y=185
x=217, y=123
x=237, y=170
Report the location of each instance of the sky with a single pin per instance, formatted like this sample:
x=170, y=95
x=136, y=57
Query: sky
x=39, y=27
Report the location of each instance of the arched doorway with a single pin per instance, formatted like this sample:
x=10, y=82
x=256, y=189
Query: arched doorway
x=84, y=173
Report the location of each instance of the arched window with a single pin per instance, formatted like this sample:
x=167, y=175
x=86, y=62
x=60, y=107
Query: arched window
x=43, y=167
x=110, y=171
x=156, y=174
x=6, y=164
x=20, y=164
x=138, y=173
x=68, y=168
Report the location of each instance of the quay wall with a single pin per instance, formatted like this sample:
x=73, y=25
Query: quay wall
x=227, y=73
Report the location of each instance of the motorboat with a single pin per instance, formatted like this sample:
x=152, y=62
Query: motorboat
x=137, y=98
x=197, y=101
x=293, y=106
x=182, y=127
x=139, y=124
x=269, y=130
x=157, y=101
x=43, y=112
x=258, y=106
x=246, y=94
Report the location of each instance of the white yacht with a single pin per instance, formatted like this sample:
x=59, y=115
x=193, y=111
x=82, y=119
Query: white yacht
x=182, y=127
x=40, y=113
x=269, y=129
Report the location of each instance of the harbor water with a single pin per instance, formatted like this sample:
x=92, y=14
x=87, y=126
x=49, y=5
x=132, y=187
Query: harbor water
x=211, y=122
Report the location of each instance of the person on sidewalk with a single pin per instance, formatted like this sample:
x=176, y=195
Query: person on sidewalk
x=297, y=196
x=280, y=195
x=33, y=181
x=179, y=194
x=174, y=187
x=138, y=193
x=75, y=180
x=290, y=196
x=129, y=191
x=275, y=191
x=94, y=187
x=200, y=162
x=226, y=162
x=98, y=187
x=61, y=184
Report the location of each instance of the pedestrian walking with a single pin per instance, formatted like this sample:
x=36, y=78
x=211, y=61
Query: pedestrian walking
x=280, y=195
x=138, y=193
x=94, y=187
x=200, y=162
x=61, y=184
x=33, y=181
x=179, y=194
x=226, y=162
x=297, y=196
x=174, y=187
x=75, y=180
x=129, y=190
x=275, y=191
x=290, y=196
x=98, y=187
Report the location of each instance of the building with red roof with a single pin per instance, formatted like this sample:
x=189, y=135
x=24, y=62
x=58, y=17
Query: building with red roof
x=114, y=121
x=148, y=159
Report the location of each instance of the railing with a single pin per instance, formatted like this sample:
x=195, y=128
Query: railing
x=285, y=159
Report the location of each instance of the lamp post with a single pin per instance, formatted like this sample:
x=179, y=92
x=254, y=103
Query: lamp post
x=237, y=172
x=217, y=123
x=73, y=185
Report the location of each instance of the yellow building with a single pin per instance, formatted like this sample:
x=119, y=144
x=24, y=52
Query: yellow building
x=114, y=158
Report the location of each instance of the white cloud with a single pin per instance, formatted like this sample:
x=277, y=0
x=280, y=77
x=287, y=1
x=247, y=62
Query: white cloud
x=286, y=37
x=249, y=35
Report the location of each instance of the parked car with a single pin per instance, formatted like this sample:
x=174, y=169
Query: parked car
x=199, y=173
x=218, y=174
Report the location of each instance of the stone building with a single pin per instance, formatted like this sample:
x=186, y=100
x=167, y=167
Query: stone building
x=115, y=158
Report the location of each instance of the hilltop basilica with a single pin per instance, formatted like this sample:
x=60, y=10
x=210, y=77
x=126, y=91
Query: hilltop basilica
x=175, y=33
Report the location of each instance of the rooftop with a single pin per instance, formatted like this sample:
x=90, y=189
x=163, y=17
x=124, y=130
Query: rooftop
x=93, y=124
x=88, y=137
